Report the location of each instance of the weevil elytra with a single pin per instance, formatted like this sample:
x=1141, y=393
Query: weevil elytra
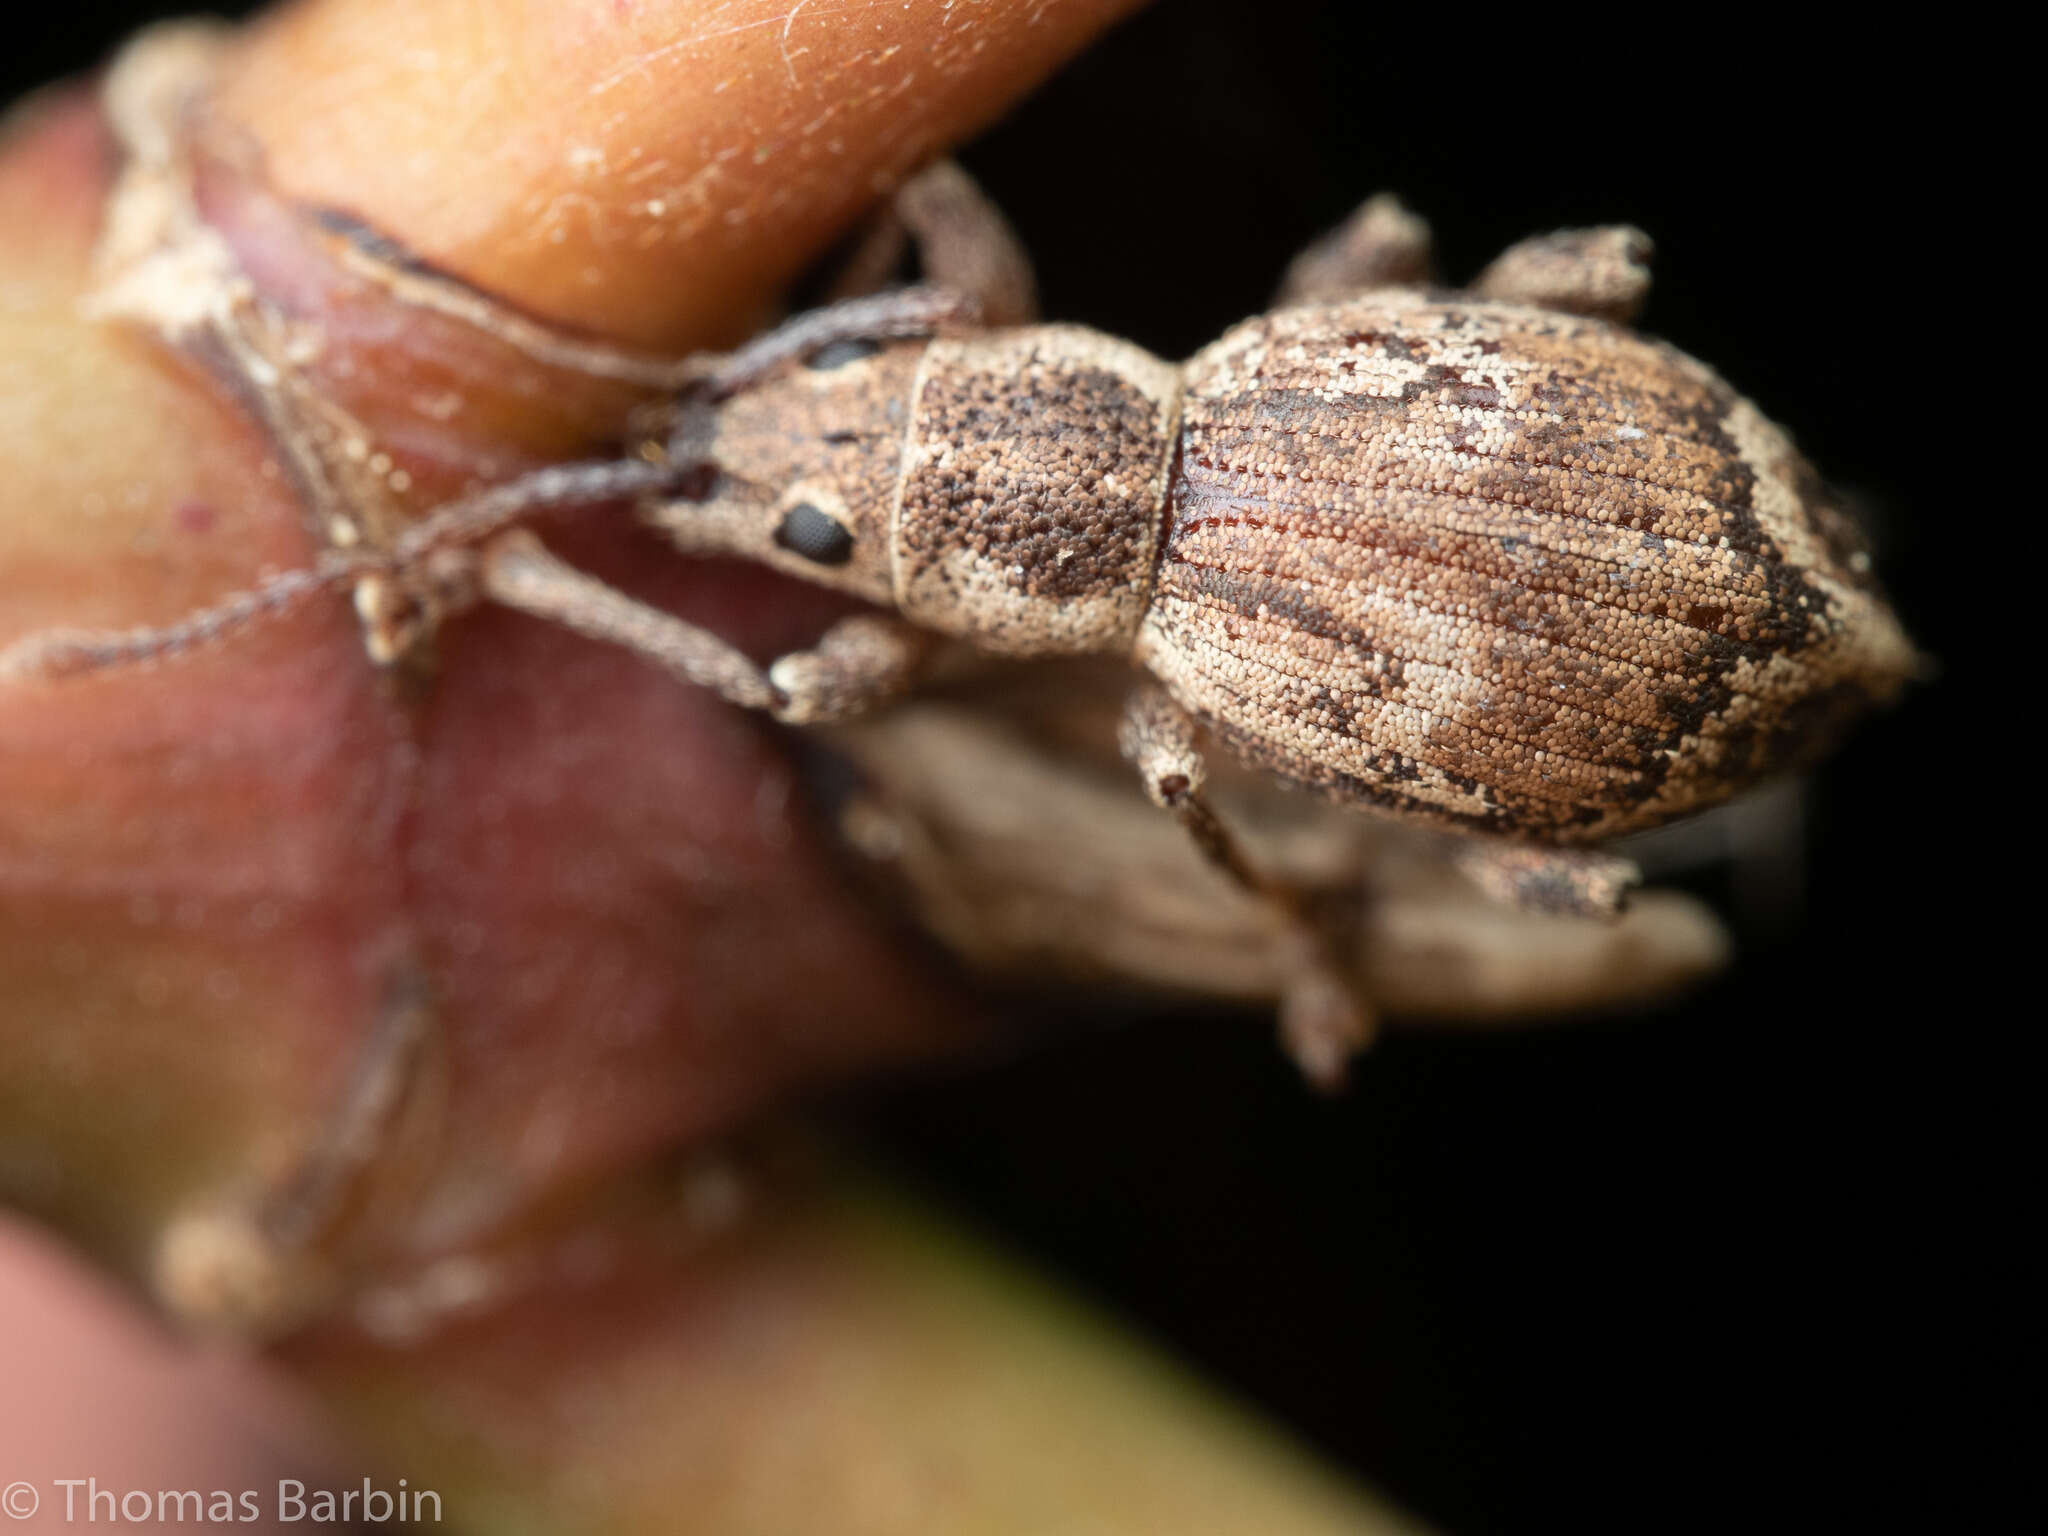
x=1484, y=558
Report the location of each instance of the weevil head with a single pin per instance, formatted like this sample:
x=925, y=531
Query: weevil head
x=800, y=470
x=1006, y=488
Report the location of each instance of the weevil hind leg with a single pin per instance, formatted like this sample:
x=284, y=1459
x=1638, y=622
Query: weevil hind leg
x=1324, y=1019
x=1603, y=273
x=1382, y=245
x=862, y=662
x=1583, y=882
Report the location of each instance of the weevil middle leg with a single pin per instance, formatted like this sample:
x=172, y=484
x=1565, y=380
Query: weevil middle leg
x=1324, y=1019
x=1602, y=272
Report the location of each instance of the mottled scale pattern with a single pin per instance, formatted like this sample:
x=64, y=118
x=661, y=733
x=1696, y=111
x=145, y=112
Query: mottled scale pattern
x=1034, y=469
x=1505, y=568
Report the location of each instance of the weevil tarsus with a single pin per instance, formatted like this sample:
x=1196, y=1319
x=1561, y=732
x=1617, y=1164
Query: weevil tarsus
x=1603, y=272
x=1381, y=245
x=1583, y=882
x=962, y=240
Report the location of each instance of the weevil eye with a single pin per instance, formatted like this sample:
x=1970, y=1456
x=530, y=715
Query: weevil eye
x=814, y=536
x=836, y=354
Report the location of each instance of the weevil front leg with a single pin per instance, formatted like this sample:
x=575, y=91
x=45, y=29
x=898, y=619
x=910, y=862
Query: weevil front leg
x=1324, y=1021
x=1604, y=272
x=963, y=242
x=862, y=662
x=1382, y=245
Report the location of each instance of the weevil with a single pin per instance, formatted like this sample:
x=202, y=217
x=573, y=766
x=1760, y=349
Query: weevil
x=1484, y=558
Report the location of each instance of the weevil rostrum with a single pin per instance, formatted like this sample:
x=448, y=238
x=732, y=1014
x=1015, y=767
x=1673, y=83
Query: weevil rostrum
x=1486, y=559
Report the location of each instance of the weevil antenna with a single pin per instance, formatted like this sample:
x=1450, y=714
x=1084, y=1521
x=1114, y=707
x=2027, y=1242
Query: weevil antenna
x=903, y=314
x=469, y=519
x=63, y=653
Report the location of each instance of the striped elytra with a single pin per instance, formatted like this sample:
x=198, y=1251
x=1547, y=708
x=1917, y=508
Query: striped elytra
x=1503, y=567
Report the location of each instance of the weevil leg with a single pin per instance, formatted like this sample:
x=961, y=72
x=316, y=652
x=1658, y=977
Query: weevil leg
x=861, y=663
x=963, y=244
x=1581, y=881
x=1323, y=1019
x=1382, y=245
x=966, y=246
x=1604, y=272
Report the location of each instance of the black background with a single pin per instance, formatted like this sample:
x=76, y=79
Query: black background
x=1695, y=1266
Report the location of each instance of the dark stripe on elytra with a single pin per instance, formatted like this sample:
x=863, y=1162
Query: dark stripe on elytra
x=1635, y=749
x=1562, y=628
x=1492, y=808
x=1488, y=555
x=1685, y=700
x=1232, y=594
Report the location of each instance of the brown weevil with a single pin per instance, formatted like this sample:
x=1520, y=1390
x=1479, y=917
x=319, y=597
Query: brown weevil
x=1485, y=558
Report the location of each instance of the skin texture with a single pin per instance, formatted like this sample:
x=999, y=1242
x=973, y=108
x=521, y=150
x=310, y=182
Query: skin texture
x=773, y=125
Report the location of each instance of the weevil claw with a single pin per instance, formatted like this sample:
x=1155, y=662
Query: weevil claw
x=1323, y=1024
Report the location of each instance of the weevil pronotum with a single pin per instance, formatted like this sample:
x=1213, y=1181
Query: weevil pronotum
x=1484, y=558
